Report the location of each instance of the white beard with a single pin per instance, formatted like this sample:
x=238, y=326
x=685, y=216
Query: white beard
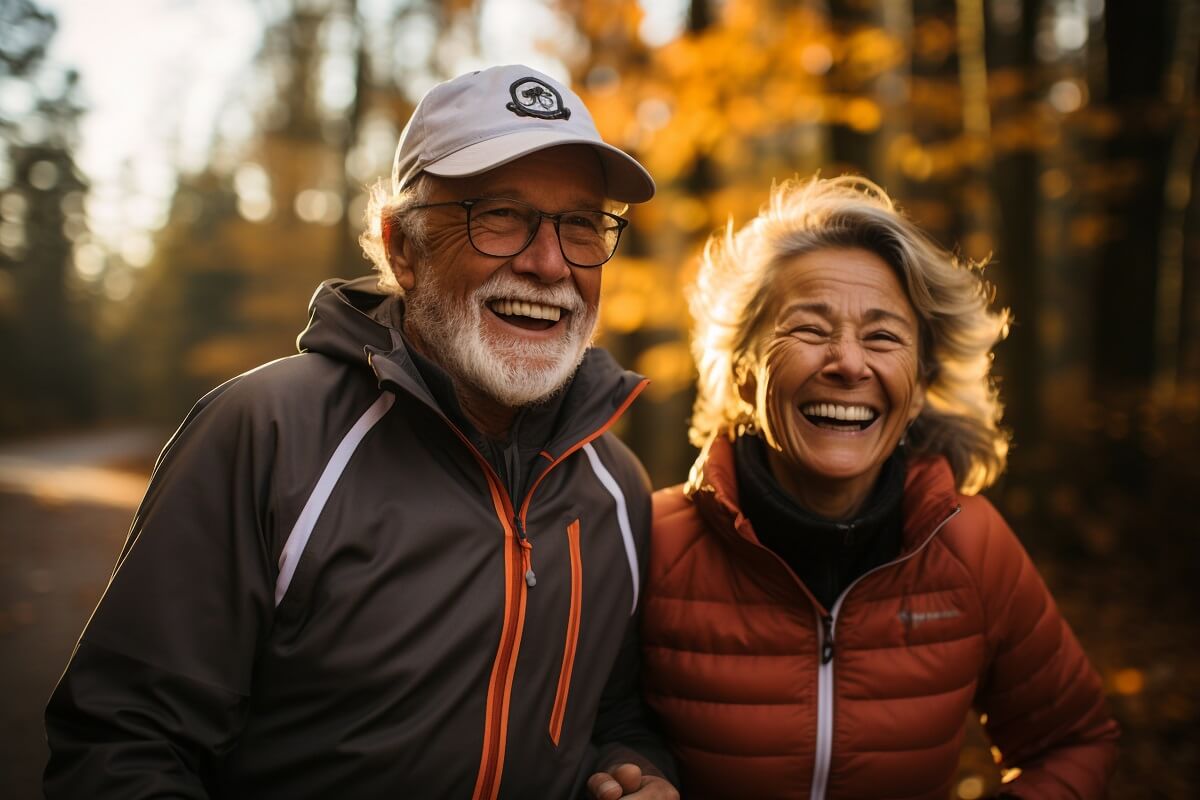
x=512, y=372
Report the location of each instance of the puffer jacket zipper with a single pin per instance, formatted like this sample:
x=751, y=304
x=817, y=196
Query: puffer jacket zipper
x=826, y=627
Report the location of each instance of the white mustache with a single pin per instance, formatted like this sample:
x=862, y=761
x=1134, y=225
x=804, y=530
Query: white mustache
x=504, y=286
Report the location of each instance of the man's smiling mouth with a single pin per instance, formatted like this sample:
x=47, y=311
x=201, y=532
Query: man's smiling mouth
x=526, y=314
x=838, y=417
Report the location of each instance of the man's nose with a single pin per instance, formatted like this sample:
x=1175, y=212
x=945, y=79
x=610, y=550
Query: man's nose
x=543, y=258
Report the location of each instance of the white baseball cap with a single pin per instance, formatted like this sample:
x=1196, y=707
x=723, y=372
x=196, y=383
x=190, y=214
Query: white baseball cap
x=481, y=120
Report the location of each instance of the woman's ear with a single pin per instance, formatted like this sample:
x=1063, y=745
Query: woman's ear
x=917, y=403
x=746, y=380
x=401, y=255
x=747, y=388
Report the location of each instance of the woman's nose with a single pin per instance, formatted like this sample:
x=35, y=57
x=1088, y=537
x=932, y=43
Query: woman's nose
x=846, y=362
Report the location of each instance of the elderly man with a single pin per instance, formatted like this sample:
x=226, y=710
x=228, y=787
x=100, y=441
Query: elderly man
x=406, y=562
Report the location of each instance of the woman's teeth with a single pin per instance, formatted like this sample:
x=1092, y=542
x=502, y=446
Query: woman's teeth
x=839, y=417
x=834, y=411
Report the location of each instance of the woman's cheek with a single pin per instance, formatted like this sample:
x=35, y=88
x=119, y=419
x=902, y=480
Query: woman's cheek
x=777, y=411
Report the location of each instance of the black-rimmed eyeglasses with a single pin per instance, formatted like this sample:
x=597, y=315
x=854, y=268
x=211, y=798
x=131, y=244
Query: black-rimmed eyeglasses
x=497, y=226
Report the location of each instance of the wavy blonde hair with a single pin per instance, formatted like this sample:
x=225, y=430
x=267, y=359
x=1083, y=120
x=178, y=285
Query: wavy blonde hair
x=731, y=297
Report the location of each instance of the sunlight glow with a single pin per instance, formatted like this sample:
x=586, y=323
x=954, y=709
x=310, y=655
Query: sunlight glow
x=319, y=206
x=665, y=20
x=154, y=77
x=137, y=249
x=16, y=97
x=56, y=483
x=89, y=261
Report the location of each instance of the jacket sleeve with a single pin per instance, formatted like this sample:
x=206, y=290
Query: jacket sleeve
x=625, y=729
x=157, y=687
x=1045, y=704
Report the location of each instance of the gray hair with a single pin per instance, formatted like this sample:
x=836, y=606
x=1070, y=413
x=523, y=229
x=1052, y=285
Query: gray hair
x=731, y=297
x=385, y=215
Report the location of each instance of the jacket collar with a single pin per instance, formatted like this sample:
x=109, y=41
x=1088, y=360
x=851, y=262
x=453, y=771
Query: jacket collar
x=929, y=496
x=353, y=321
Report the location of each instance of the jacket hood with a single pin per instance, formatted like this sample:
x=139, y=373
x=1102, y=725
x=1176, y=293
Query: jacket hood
x=344, y=318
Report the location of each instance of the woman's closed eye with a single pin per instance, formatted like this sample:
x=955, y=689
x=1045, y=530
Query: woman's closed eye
x=809, y=331
x=885, y=340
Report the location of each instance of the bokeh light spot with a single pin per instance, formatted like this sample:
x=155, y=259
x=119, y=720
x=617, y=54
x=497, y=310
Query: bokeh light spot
x=1065, y=96
x=971, y=788
x=1129, y=681
x=816, y=59
x=43, y=175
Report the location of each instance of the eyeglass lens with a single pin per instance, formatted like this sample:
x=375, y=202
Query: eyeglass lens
x=503, y=228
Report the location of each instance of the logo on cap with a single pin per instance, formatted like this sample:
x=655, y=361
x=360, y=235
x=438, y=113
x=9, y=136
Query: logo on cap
x=535, y=98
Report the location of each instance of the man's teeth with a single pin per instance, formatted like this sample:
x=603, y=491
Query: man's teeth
x=520, y=308
x=834, y=411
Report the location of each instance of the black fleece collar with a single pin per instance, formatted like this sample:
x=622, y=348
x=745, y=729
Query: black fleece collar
x=827, y=555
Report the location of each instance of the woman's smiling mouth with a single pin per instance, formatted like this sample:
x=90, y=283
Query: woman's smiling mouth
x=839, y=417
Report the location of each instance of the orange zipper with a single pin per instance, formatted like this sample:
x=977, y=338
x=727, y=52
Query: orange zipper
x=517, y=557
x=593, y=435
x=568, y=662
x=517, y=562
x=495, y=732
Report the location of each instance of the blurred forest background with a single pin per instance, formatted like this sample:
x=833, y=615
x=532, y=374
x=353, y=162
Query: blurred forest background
x=1060, y=137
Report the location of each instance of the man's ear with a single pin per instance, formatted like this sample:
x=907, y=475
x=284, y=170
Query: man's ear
x=401, y=255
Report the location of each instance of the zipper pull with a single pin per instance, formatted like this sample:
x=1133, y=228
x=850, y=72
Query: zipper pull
x=526, y=554
x=827, y=640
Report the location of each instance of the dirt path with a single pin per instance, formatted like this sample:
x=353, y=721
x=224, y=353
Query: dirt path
x=65, y=507
x=55, y=560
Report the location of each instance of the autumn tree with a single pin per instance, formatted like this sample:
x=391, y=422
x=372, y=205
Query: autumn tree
x=43, y=319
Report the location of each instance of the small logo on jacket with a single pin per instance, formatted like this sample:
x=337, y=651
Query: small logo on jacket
x=912, y=619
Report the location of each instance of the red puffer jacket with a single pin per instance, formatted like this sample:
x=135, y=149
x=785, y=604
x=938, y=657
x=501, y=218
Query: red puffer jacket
x=765, y=694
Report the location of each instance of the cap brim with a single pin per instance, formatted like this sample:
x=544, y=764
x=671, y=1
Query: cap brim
x=625, y=179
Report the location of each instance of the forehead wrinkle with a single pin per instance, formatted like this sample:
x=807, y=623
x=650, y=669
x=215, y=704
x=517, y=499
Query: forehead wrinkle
x=876, y=314
x=821, y=309
x=825, y=310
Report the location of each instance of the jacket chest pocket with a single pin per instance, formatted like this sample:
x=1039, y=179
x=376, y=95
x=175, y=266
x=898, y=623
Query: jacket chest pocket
x=562, y=692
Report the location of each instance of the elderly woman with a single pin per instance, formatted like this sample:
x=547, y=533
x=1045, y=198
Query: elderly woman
x=827, y=598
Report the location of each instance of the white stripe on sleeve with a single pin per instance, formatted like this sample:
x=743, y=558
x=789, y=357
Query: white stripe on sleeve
x=610, y=483
x=293, y=548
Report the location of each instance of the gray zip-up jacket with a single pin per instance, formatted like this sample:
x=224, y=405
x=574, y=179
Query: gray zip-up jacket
x=328, y=591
